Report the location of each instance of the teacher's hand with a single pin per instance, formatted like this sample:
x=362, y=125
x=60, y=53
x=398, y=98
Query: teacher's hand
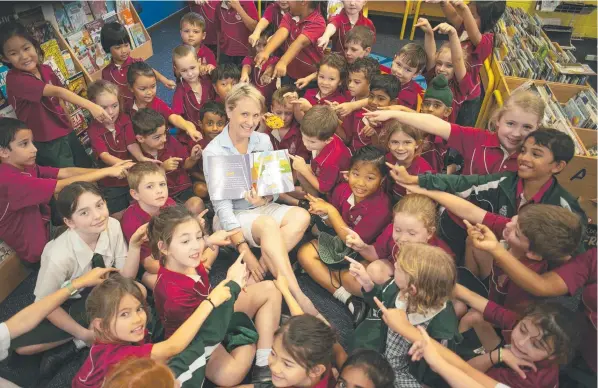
x=254, y=199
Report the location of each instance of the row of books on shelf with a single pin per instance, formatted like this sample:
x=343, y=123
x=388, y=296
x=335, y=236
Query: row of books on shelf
x=579, y=111
x=523, y=50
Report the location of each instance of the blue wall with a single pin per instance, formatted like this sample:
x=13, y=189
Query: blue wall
x=151, y=12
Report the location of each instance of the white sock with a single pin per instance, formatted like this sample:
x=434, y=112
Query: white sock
x=79, y=344
x=261, y=357
x=343, y=295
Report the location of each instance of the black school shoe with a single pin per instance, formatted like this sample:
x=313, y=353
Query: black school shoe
x=360, y=309
x=54, y=359
x=261, y=374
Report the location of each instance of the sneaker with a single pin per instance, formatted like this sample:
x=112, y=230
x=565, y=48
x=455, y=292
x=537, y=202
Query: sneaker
x=53, y=359
x=358, y=309
x=261, y=374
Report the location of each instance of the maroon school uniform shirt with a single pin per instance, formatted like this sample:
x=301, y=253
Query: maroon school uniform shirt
x=508, y=294
x=113, y=142
x=206, y=56
x=476, y=56
x=118, y=76
x=409, y=93
x=368, y=217
x=433, y=151
x=233, y=33
x=292, y=141
x=418, y=166
x=102, y=357
x=43, y=115
x=313, y=27
x=208, y=9
x=387, y=249
x=353, y=125
x=256, y=73
x=24, y=210
x=548, y=372
x=178, y=179
x=186, y=104
x=177, y=296
x=133, y=217
x=581, y=272
x=157, y=104
x=273, y=14
x=314, y=98
x=481, y=150
x=343, y=26
x=328, y=164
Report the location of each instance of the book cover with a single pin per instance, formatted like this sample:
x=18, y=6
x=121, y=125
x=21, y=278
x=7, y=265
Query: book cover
x=231, y=176
x=3, y=72
x=64, y=23
x=98, y=8
x=41, y=31
x=97, y=52
x=137, y=34
x=128, y=28
x=69, y=63
x=77, y=85
x=110, y=17
x=8, y=111
x=87, y=10
x=79, y=42
x=52, y=51
x=76, y=14
x=126, y=17
x=52, y=63
x=110, y=6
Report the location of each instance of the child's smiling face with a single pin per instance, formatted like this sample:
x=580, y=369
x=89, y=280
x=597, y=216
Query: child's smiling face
x=212, y=124
x=144, y=89
x=129, y=323
x=365, y=179
x=402, y=70
x=403, y=147
x=329, y=80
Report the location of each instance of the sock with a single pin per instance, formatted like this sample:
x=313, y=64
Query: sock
x=79, y=344
x=261, y=357
x=343, y=295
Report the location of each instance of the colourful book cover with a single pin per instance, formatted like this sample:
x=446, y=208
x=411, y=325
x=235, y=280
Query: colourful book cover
x=64, y=23
x=137, y=34
x=98, y=8
x=68, y=61
x=51, y=50
x=3, y=73
x=76, y=14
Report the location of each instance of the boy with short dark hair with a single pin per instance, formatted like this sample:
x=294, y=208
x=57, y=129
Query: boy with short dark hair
x=193, y=33
x=358, y=43
x=223, y=78
x=28, y=188
x=150, y=131
x=544, y=154
x=408, y=63
x=360, y=77
x=330, y=155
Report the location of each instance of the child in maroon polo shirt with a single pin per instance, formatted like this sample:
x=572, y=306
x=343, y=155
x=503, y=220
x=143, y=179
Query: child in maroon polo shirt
x=116, y=41
x=191, y=92
x=207, y=9
x=28, y=188
x=298, y=31
x=414, y=221
x=111, y=142
x=358, y=206
x=407, y=64
x=142, y=82
x=213, y=120
x=237, y=21
x=339, y=25
x=272, y=16
x=193, y=33
x=260, y=77
x=223, y=78
x=544, y=336
x=330, y=155
x=150, y=132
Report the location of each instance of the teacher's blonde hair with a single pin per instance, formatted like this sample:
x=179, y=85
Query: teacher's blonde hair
x=244, y=90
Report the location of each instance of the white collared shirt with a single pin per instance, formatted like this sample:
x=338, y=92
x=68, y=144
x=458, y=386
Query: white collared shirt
x=67, y=257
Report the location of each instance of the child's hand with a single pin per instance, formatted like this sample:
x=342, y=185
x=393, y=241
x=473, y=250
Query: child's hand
x=344, y=109
x=299, y=164
x=220, y=238
x=93, y=278
x=379, y=116
x=482, y=237
x=170, y=84
x=360, y=274
x=516, y=363
x=323, y=41
x=400, y=108
x=99, y=113
x=353, y=241
x=139, y=237
x=414, y=189
x=256, y=270
x=120, y=169
x=394, y=318
x=280, y=70
x=253, y=39
x=260, y=59
x=266, y=78
x=302, y=103
x=195, y=153
x=424, y=348
x=282, y=284
x=238, y=271
x=424, y=24
x=146, y=159
x=400, y=174
x=193, y=132
x=301, y=83
x=254, y=199
x=88, y=336
x=368, y=131
x=234, y=4
x=171, y=164
x=445, y=28
x=318, y=206
x=220, y=294
x=459, y=5
x=244, y=77
x=209, y=68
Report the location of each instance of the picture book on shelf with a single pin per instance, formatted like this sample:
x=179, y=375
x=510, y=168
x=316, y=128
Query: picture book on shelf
x=231, y=176
x=41, y=31
x=52, y=51
x=98, y=8
x=77, y=85
x=69, y=63
x=8, y=111
x=136, y=34
x=3, y=72
x=52, y=63
x=76, y=14
x=64, y=23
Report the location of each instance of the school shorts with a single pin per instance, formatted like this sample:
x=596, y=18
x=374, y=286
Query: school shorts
x=66, y=151
x=468, y=113
x=247, y=217
x=46, y=332
x=454, y=235
x=183, y=196
x=117, y=198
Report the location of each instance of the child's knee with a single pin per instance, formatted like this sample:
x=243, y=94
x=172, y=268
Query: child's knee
x=200, y=189
x=271, y=291
x=306, y=253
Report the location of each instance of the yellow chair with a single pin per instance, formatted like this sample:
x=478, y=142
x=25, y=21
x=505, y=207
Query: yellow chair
x=487, y=79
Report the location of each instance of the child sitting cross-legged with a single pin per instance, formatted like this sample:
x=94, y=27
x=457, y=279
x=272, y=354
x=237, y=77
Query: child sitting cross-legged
x=362, y=206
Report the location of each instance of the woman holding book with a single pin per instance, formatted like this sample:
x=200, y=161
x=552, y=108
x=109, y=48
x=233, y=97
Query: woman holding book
x=259, y=221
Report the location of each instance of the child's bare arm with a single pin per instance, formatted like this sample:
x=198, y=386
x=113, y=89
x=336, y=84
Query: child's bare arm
x=259, y=28
x=451, y=13
x=249, y=22
x=274, y=43
x=429, y=42
x=245, y=71
x=68, y=175
x=473, y=300
x=424, y=122
x=471, y=26
x=304, y=169
x=456, y=50
x=170, y=84
x=96, y=111
x=187, y=126
x=294, y=49
x=283, y=286
x=325, y=38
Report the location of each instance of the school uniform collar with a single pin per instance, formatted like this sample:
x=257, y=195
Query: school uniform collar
x=418, y=318
x=82, y=251
x=120, y=122
x=537, y=198
x=129, y=61
x=360, y=19
x=336, y=93
x=225, y=142
x=364, y=203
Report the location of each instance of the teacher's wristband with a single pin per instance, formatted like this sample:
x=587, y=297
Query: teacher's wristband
x=240, y=243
